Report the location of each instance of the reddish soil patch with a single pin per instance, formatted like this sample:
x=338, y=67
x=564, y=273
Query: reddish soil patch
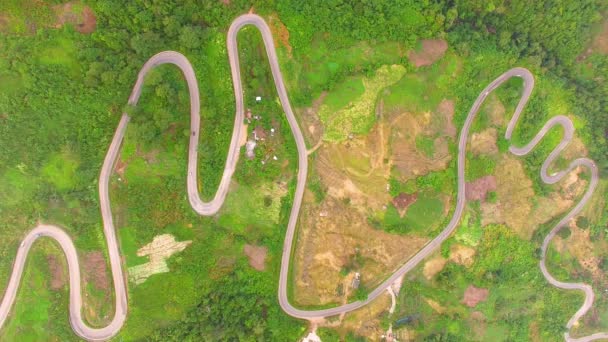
x=280, y=33
x=120, y=168
x=404, y=200
x=473, y=295
x=257, y=256
x=432, y=50
x=95, y=270
x=446, y=109
x=84, y=22
x=478, y=189
x=57, y=273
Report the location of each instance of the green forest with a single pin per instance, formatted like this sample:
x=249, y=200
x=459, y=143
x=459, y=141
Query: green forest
x=62, y=93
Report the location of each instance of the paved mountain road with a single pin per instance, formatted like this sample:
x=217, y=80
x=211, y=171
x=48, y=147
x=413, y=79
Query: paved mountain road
x=212, y=207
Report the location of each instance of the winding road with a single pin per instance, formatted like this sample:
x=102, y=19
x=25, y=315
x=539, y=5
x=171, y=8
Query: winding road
x=212, y=207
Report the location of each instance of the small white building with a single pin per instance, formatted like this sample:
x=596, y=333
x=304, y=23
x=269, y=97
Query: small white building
x=258, y=99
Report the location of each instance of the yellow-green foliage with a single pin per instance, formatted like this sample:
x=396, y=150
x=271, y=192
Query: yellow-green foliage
x=61, y=171
x=357, y=115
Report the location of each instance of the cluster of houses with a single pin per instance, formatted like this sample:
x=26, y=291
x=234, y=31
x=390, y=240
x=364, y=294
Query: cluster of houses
x=259, y=134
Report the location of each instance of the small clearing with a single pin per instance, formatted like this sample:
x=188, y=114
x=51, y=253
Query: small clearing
x=158, y=251
x=495, y=110
x=96, y=270
x=343, y=116
x=58, y=276
x=74, y=13
x=256, y=256
x=411, y=132
x=366, y=321
x=280, y=33
x=462, y=255
x=473, y=295
x=440, y=309
x=431, y=50
x=518, y=207
x=599, y=44
x=357, y=169
x=403, y=201
x=335, y=241
x=484, y=142
x=309, y=118
x=433, y=266
x=446, y=109
x=479, y=188
x=579, y=245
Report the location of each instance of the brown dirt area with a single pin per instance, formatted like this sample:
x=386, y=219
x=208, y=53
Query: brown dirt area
x=433, y=266
x=446, y=109
x=403, y=201
x=484, y=142
x=494, y=108
x=579, y=245
x=366, y=322
x=256, y=256
x=479, y=188
x=356, y=169
x=462, y=255
x=432, y=50
x=407, y=159
x=518, y=207
x=97, y=309
x=440, y=309
x=599, y=44
x=84, y=22
x=280, y=33
x=58, y=273
x=473, y=295
x=343, y=238
x=477, y=321
x=309, y=119
x=96, y=272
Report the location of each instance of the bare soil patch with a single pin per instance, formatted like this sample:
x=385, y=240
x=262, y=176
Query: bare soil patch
x=477, y=320
x=96, y=270
x=403, y=201
x=579, y=245
x=431, y=51
x=341, y=240
x=518, y=206
x=58, y=274
x=599, y=44
x=440, y=309
x=446, y=109
x=462, y=255
x=484, y=142
x=478, y=189
x=280, y=33
x=473, y=295
x=309, y=118
x=84, y=22
x=366, y=321
x=515, y=194
x=410, y=162
x=356, y=169
x=433, y=266
x=496, y=110
x=256, y=255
